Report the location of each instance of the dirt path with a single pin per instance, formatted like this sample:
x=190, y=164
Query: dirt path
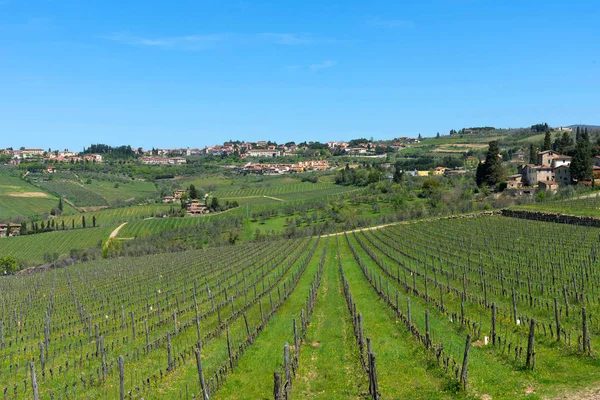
x=414, y=221
x=272, y=198
x=116, y=231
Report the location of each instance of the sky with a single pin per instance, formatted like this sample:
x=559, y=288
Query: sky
x=192, y=73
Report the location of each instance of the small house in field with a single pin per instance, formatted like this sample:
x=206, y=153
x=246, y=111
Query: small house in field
x=168, y=199
x=177, y=194
x=548, y=186
x=439, y=170
x=50, y=169
x=514, y=182
x=14, y=230
x=195, y=207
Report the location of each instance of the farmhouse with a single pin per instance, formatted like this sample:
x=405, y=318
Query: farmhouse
x=195, y=207
x=14, y=230
x=545, y=157
x=548, y=186
x=515, y=182
x=263, y=153
x=562, y=174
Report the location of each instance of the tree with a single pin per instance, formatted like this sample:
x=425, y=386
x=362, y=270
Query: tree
x=23, y=230
x=491, y=172
x=420, y=137
x=398, y=174
x=532, y=154
x=60, y=205
x=83, y=221
x=437, y=136
x=94, y=221
x=9, y=264
x=547, y=141
x=214, y=204
x=193, y=192
x=581, y=164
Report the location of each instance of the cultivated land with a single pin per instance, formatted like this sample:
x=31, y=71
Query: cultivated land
x=238, y=305
x=587, y=205
x=19, y=198
x=32, y=248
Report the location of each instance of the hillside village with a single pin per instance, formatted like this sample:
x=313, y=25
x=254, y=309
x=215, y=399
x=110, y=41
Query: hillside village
x=551, y=171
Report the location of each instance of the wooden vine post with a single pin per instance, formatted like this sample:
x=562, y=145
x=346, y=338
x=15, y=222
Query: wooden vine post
x=121, y=378
x=203, y=388
x=530, y=361
x=465, y=364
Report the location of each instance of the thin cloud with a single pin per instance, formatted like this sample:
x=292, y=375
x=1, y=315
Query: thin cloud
x=390, y=23
x=209, y=41
x=323, y=65
x=312, y=67
x=189, y=42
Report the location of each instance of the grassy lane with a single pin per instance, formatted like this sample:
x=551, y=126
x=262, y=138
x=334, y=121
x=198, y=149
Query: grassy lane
x=329, y=366
x=253, y=376
x=404, y=370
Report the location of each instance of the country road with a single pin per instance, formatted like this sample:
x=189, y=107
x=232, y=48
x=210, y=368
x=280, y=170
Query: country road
x=116, y=231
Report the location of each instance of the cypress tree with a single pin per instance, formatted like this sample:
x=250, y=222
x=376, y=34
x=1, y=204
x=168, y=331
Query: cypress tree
x=492, y=171
x=581, y=164
x=532, y=154
x=547, y=141
x=83, y=221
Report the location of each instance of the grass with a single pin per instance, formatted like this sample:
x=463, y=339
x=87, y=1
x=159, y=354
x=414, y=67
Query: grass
x=329, y=366
x=402, y=365
x=253, y=377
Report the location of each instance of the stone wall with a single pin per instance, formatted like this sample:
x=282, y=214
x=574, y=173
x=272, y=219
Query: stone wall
x=552, y=217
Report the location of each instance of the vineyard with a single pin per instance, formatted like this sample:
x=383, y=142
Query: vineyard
x=32, y=248
x=19, y=198
x=487, y=306
x=588, y=205
x=288, y=191
x=75, y=192
x=115, y=216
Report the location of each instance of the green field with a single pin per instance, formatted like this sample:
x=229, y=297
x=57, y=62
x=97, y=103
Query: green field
x=19, y=198
x=584, y=205
x=126, y=192
x=239, y=303
x=31, y=248
x=75, y=192
x=114, y=216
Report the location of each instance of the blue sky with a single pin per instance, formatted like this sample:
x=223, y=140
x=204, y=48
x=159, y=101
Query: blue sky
x=191, y=73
